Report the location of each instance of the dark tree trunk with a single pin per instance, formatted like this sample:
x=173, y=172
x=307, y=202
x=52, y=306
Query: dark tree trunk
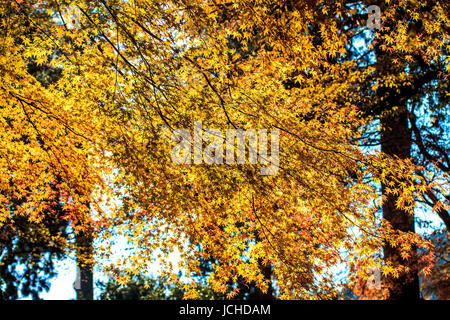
x=84, y=285
x=396, y=141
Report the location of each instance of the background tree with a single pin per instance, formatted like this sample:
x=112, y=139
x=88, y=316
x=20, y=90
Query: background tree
x=146, y=288
x=407, y=95
x=437, y=286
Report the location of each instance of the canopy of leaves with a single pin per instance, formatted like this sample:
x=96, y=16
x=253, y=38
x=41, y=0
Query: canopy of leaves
x=136, y=70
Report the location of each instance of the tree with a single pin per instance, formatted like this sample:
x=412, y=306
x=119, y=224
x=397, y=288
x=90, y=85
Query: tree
x=307, y=213
x=145, y=288
x=407, y=92
x=137, y=71
x=42, y=189
x=27, y=253
x=437, y=286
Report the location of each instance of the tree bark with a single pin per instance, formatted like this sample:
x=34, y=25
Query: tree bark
x=396, y=141
x=84, y=285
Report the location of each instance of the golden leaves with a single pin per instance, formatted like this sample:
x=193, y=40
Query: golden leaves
x=136, y=71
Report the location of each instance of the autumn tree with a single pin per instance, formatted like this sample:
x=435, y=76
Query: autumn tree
x=185, y=69
x=47, y=178
x=407, y=94
x=135, y=71
x=27, y=255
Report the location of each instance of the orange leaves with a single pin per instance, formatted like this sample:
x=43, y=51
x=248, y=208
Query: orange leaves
x=50, y=151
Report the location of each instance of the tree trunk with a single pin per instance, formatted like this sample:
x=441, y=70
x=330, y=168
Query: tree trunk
x=84, y=284
x=396, y=141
